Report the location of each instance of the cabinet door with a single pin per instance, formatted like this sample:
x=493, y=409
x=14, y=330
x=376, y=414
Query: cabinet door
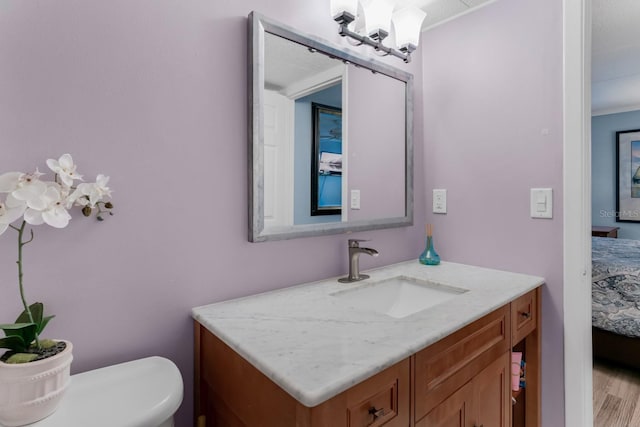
x=444, y=367
x=492, y=394
x=482, y=402
x=454, y=411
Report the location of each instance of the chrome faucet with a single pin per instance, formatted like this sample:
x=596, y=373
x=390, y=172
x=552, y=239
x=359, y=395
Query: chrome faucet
x=354, y=261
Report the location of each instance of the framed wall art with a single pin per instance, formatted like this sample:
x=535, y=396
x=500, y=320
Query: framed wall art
x=628, y=176
x=326, y=164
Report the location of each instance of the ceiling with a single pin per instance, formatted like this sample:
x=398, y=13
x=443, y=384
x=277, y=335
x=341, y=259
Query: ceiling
x=615, y=56
x=441, y=11
x=290, y=65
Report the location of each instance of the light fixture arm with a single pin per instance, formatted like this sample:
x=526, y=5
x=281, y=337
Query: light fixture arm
x=345, y=18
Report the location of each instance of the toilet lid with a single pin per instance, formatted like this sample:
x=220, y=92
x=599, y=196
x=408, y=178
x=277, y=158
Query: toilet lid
x=140, y=393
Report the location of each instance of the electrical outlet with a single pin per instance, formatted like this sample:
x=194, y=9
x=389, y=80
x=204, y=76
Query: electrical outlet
x=440, y=201
x=355, y=199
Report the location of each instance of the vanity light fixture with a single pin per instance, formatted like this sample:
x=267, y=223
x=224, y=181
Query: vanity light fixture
x=377, y=16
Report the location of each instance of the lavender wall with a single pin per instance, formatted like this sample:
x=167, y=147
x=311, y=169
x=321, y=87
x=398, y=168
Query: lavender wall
x=493, y=130
x=153, y=93
x=375, y=144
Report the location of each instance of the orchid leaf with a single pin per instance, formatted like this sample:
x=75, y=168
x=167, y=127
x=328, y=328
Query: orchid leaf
x=37, y=310
x=25, y=331
x=13, y=342
x=44, y=323
x=23, y=318
x=14, y=328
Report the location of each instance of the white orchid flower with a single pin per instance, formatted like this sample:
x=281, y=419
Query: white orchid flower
x=54, y=212
x=65, y=169
x=26, y=187
x=91, y=193
x=10, y=210
x=9, y=181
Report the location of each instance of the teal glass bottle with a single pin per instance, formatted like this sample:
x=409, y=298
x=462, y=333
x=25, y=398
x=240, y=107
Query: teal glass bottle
x=429, y=256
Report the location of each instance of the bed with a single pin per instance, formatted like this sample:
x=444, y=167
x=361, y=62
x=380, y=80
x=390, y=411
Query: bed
x=616, y=300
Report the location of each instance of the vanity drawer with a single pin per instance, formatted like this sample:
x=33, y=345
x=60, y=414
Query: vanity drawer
x=524, y=316
x=447, y=365
x=377, y=409
x=382, y=400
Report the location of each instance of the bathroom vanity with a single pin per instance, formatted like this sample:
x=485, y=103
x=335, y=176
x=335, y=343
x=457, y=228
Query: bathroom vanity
x=332, y=354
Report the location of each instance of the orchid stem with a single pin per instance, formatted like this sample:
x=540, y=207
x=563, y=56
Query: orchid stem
x=21, y=243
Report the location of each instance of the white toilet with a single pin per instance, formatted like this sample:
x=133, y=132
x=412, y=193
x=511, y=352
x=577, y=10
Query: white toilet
x=142, y=393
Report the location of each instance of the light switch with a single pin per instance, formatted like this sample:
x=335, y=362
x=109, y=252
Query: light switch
x=541, y=203
x=355, y=199
x=440, y=201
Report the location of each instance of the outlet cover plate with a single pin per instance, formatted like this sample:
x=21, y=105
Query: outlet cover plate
x=440, y=201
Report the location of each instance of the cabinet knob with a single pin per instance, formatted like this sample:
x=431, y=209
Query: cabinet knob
x=377, y=413
x=526, y=315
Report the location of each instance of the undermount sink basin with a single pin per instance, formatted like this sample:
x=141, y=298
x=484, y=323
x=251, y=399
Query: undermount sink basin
x=399, y=296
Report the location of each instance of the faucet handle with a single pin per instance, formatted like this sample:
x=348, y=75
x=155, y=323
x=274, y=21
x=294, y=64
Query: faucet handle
x=355, y=243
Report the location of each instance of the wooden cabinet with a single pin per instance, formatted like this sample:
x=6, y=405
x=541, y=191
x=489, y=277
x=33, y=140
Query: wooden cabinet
x=524, y=316
x=462, y=380
x=471, y=364
x=525, y=319
x=453, y=411
x=598, y=231
x=484, y=401
x=230, y=392
x=447, y=365
x=492, y=394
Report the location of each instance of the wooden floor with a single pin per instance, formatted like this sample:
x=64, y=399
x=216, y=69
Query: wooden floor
x=616, y=396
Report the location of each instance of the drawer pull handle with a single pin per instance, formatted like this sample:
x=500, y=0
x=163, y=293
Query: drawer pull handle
x=377, y=413
x=526, y=315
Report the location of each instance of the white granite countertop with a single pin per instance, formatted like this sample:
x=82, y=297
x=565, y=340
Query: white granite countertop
x=314, y=345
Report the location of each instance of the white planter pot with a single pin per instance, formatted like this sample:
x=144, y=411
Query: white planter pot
x=32, y=391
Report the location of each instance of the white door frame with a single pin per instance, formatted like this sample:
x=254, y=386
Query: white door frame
x=578, y=362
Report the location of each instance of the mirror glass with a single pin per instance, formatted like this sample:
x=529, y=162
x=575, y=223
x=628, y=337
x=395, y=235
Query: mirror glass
x=330, y=138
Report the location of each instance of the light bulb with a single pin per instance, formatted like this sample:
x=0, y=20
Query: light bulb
x=407, y=24
x=377, y=15
x=340, y=6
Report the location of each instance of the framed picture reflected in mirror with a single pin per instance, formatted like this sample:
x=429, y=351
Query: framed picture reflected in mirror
x=326, y=162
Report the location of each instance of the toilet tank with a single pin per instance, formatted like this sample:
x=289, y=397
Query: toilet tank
x=141, y=393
